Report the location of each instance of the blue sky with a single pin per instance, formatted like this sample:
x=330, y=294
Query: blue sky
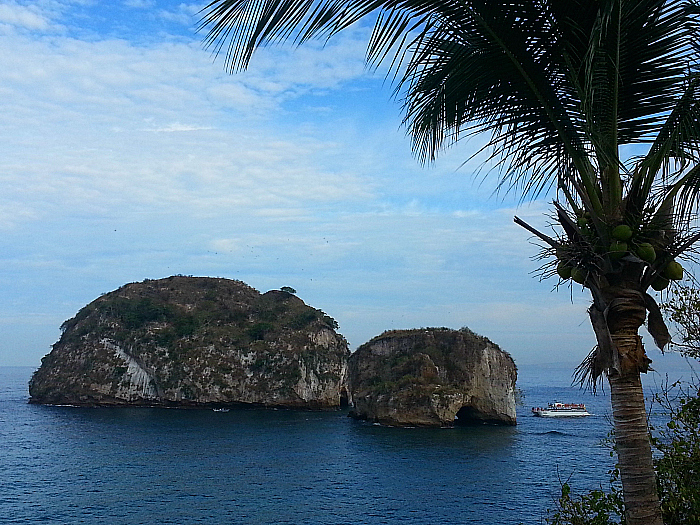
x=127, y=152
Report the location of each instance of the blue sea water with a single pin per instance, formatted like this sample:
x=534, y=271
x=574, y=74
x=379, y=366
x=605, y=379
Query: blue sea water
x=67, y=465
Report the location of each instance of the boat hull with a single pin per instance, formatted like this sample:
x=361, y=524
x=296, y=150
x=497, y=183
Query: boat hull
x=561, y=410
x=559, y=413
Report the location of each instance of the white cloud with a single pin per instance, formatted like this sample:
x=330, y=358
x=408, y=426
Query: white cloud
x=12, y=214
x=177, y=127
x=26, y=17
x=185, y=14
x=78, y=112
x=140, y=4
x=226, y=245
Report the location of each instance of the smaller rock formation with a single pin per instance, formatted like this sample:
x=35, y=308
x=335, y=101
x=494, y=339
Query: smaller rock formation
x=195, y=342
x=433, y=377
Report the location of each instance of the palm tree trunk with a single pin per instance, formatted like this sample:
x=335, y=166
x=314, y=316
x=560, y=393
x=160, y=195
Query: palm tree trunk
x=616, y=327
x=634, y=451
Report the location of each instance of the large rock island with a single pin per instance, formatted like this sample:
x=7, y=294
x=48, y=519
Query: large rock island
x=432, y=377
x=195, y=341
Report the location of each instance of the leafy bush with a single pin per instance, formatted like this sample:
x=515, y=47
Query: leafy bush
x=683, y=310
x=185, y=325
x=258, y=330
x=330, y=322
x=303, y=319
x=135, y=314
x=597, y=507
x=678, y=465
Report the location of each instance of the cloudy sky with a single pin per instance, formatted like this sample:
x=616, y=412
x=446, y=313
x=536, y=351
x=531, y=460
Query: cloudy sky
x=127, y=152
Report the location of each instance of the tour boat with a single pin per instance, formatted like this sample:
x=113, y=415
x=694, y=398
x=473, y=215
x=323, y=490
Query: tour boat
x=562, y=410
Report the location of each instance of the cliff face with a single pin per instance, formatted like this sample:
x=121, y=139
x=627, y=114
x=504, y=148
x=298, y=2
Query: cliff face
x=195, y=341
x=429, y=377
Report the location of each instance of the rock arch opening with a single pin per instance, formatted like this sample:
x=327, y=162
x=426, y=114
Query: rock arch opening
x=344, y=402
x=468, y=416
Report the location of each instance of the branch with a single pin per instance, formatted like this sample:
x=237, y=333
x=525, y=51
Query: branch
x=554, y=244
x=570, y=227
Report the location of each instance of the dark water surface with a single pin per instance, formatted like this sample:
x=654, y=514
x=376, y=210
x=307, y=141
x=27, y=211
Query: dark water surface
x=129, y=466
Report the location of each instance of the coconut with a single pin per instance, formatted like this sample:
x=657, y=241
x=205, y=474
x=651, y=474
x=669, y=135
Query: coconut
x=618, y=250
x=561, y=253
x=660, y=283
x=646, y=252
x=582, y=221
x=622, y=233
x=564, y=270
x=673, y=271
x=579, y=275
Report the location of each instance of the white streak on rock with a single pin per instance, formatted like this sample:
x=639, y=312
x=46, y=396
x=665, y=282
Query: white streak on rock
x=137, y=382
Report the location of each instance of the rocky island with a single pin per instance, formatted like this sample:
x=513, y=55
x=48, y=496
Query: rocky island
x=432, y=377
x=195, y=342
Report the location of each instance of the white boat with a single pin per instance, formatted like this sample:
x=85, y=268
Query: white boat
x=562, y=410
x=220, y=409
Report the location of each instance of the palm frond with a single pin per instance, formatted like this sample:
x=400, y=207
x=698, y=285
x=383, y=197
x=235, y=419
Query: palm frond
x=478, y=72
x=241, y=26
x=653, y=65
x=556, y=85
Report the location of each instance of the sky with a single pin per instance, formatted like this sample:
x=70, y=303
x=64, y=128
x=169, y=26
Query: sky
x=127, y=152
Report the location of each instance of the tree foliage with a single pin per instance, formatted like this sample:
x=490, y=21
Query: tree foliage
x=678, y=463
x=683, y=309
x=596, y=507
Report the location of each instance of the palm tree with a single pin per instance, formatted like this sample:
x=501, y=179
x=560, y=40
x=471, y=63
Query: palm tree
x=560, y=87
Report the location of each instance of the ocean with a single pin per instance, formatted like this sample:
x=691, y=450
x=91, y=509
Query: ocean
x=109, y=466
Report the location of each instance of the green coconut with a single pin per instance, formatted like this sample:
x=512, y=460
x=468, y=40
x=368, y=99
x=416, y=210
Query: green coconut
x=564, y=270
x=618, y=250
x=622, y=233
x=673, y=271
x=660, y=283
x=646, y=252
x=579, y=275
x=582, y=221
